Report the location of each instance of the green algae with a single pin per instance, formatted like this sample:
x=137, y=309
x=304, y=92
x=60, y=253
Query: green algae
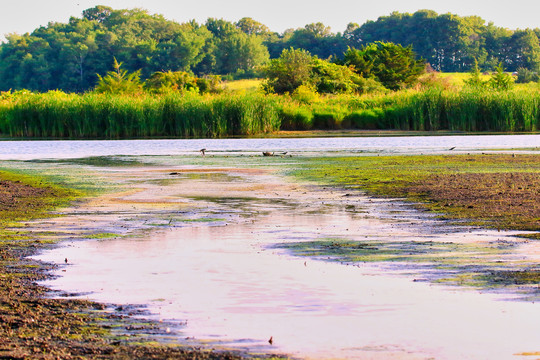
x=97, y=161
x=499, y=191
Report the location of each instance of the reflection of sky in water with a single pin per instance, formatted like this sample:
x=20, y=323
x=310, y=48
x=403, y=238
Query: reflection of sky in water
x=26, y=150
x=230, y=287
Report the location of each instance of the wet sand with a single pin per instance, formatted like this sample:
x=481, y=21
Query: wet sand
x=201, y=248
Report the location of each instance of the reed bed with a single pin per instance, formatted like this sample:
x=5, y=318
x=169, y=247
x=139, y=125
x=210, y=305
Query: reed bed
x=429, y=110
x=60, y=115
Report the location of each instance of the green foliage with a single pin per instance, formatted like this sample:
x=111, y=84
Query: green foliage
x=296, y=68
x=395, y=66
x=330, y=78
x=60, y=115
x=291, y=70
x=119, y=81
x=69, y=56
x=501, y=80
x=296, y=118
x=315, y=38
x=525, y=76
x=92, y=115
x=475, y=80
x=369, y=119
x=169, y=81
x=306, y=94
x=450, y=42
x=180, y=81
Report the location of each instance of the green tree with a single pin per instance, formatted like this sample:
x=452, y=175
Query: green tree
x=236, y=52
x=251, y=27
x=475, y=78
x=448, y=42
x=297, y=68
x=98, y=13
x=331, y=78
x=500, y=80
x=522, y=50
x=180, y=81
x=393, y=65
x=119, y=81
x=316, y=38
x=289, y=71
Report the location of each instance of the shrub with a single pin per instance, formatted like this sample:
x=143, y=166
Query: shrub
x=525, y=76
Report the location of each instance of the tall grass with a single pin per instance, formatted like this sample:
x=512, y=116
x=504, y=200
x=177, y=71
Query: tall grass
x=430, y=110
x=60, y=115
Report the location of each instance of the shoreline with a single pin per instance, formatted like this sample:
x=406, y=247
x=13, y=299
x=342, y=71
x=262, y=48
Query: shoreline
x=34, y=325
x=307, y=134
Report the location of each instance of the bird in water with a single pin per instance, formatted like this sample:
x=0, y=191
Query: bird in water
x=202, y=151
x=268, y=153
x=271, y=341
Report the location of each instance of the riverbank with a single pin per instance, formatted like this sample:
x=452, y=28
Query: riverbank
x=33, y=325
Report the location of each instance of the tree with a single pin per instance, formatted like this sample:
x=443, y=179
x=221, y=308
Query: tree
x=522, y=50
x=393, y=65
x=171, y=81
x=240, y=53
x=475, y=79
x=500, y=80
x=525, y=76
x=448, y=42
x=289, y=71
x=99, y=13
x=316, y=38
x=297, y=68
x=331, y=78
x=119, y=81
x=235, y=51
x=251, y=27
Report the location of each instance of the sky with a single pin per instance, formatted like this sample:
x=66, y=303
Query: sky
x=21, y=16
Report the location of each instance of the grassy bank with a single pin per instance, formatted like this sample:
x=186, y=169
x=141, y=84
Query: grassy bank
x=59, y=115
x=498, y=191
x=33, y=326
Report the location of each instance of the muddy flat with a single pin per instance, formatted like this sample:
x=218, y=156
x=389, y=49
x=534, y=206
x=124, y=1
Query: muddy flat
x=234, y=255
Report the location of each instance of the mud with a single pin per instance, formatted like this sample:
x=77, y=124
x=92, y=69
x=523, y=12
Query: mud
x=224, y=224
x=248, y=221
x=35, y=326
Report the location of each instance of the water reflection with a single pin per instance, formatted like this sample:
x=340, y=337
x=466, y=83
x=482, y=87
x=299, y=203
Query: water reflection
x=26, y=150
x=230, y=285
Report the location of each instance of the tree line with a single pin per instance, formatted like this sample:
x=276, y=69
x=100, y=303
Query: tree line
x=71, y=56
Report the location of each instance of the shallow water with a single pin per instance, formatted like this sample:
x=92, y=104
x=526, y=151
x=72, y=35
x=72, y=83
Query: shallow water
x=27, y=150
x=226, y=281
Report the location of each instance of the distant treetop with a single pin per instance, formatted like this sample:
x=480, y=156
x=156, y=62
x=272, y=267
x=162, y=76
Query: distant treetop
x=70, y=56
